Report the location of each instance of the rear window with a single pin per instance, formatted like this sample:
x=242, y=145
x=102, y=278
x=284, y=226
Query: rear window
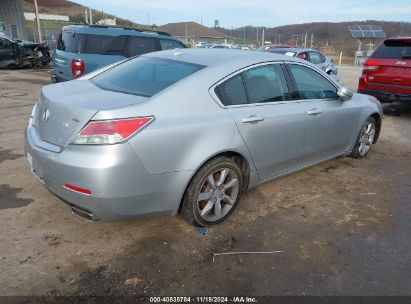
x=68, y=41
x=139, y=46
x=144, y=76
x=393, y=49
x=168, y=44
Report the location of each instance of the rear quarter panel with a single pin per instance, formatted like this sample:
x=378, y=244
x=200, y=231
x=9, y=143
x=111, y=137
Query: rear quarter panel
x=189, y=128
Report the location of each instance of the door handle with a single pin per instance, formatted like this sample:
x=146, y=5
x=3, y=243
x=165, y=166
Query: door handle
x=252, y=118
x=314, y=112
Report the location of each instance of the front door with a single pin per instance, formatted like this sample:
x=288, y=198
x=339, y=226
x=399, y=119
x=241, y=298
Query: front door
x=330, y=120
x=6, y=50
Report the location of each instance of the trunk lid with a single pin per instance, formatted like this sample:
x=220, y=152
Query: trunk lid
x=395, y=72
x=65, y=108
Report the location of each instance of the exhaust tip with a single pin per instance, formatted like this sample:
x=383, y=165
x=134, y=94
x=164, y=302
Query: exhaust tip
x=83, y=213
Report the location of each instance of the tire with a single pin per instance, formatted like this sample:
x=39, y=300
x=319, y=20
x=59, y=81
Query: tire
x=220, y=200
x=365, y=139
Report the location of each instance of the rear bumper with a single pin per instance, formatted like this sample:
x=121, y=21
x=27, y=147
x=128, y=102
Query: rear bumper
x=385, y=96
x=56, y=79
x=121, y=186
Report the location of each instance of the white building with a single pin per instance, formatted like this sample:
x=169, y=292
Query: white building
x=49, y=17
x=108, y=22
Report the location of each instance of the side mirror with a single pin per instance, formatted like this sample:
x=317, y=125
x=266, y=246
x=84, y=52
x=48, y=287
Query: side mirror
x=345, y=93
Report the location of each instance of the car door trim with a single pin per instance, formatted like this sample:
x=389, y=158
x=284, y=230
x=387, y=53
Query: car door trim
x=289, y=79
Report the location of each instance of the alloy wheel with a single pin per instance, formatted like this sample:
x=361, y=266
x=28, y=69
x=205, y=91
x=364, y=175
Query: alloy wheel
x=218, y=194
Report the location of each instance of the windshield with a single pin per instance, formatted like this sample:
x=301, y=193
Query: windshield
x=144, y=76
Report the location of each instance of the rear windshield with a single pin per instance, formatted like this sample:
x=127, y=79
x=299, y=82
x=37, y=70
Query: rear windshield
x=393, y=49
x=144, y=76
x=68, y=41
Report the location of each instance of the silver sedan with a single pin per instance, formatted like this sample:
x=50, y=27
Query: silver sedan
x=188, y=131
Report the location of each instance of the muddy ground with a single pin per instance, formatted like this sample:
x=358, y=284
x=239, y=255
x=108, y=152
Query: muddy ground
x=344, y=227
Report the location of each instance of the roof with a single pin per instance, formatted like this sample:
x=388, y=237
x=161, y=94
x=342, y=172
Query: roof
x=216, y=57
x=183, y=29
x=112, y=30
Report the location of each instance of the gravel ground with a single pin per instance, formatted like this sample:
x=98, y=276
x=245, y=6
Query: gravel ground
x=344, y=227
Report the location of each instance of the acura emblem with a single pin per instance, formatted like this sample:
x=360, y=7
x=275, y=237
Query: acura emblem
x=46, y=114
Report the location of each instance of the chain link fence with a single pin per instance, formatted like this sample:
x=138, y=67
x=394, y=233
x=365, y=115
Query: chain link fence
x=49, y=35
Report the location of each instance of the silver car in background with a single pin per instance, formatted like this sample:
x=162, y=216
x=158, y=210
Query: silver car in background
x=189, y=131
x=315, y=57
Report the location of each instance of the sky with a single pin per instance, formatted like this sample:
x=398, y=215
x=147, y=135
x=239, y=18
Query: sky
x=237, y=13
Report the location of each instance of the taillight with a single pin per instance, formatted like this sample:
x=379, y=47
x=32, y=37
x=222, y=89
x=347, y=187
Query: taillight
x=111, y=131
x=371, y=65
x=77, y=68
x=362, y=83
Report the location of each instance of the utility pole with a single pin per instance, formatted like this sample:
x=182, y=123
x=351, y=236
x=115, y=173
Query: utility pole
x=244, y=37
x=305, y=41
x=90, y=15
x=86, y=15
x=36, y=9
x=262, y=39
x=312, y=41
x=258, y=42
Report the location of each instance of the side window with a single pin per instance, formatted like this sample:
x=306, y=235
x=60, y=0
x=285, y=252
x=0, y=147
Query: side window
x=139, y=46
x=168, y=44
x=266, y=84
x=316, y=58
x=232, y=92
x=7, y=44
x=303, y=56
x=311, y=84
x=101, y=44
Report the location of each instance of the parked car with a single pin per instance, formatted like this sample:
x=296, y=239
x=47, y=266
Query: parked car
x=387, y=72
x=82, y=49
x=189, y=131
x=21, y=53
x=311, y=55
x=201, y=45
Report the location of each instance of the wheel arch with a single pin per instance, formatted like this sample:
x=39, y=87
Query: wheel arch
x=378, y=120
x=236, y=156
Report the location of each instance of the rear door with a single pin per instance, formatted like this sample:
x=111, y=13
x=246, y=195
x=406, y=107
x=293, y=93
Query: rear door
x=394, y=72
x=272, y=125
